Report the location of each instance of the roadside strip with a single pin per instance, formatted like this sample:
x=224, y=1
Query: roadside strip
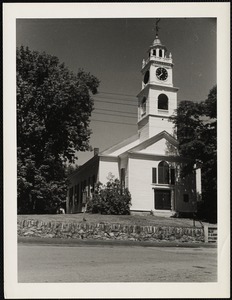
x=93, y=242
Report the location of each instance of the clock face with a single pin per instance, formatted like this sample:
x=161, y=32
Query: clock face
x=146, y=77
x=162, y=73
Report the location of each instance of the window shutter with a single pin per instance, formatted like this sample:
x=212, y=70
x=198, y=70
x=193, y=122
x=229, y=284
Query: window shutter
x=172, y=176
x=153, y=175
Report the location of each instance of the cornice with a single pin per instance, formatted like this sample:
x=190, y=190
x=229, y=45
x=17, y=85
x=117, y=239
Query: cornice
x=157, y=157
x=157, y=87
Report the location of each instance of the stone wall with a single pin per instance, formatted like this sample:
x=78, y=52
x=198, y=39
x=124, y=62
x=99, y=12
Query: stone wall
x=104, y=231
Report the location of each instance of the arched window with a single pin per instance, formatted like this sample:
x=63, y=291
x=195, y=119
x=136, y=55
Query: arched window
x=162, y=102
x=160, y=52
x=143, y=106
x=163, y=172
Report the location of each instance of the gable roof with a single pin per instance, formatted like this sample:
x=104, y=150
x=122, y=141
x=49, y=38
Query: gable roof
x=87, y=164
x=163, y=134
x=119, y=145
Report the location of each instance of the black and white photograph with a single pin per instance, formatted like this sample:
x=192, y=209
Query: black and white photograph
x=117, y=181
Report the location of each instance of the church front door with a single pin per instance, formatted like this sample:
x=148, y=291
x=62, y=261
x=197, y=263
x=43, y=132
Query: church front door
x=163, y=199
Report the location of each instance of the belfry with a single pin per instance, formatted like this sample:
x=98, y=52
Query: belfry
x=157, y=100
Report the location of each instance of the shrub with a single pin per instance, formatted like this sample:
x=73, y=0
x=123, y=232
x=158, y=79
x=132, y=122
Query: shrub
x=110, y=199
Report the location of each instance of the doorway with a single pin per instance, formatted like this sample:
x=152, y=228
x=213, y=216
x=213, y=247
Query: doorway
x=163, y=199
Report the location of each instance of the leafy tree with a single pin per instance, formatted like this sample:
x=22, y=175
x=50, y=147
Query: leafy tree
x=54, y=107
x=110, y=199
x=196, y=126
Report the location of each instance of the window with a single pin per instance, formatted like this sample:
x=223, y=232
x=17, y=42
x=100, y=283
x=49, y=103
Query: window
x=82, y=190
x=153, y=175
x=93, y=182
x=173, y=176
x=70, y=196
x=186, y=198
x=84, y=193
x=143, y=106
x=75, y=195
x=160, y=52
x=162, y=102
x=163, y=172
x=78, y=188
x=162, y=199
x=154, y=52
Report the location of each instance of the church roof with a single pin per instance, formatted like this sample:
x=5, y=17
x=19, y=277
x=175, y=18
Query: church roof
x=152, y=140
x=157, y=44
x=132, y=140
x=133, y=144
x=156, y=41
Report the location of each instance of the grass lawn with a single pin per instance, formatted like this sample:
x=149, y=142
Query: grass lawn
x=142, y=220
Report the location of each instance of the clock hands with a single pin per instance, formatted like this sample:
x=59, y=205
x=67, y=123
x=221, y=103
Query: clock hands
x=161, y=73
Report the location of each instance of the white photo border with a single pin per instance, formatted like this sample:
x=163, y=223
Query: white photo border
x=12, y=11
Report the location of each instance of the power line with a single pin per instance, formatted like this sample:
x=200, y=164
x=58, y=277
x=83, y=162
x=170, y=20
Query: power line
x=113, y=122
x=128, y=95
x=123, y=123
x=114, y=115
x=120, y=111
x=116, y=103
x=135, y=97
x=129, y=100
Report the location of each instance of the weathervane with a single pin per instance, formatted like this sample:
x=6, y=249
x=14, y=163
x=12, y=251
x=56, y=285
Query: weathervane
x=157, y=27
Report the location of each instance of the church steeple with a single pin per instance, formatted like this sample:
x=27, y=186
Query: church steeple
x=158, y=98
x=157, y=49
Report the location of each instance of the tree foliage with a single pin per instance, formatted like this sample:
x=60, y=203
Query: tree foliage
x=110, y=199
x=54, y=107
x=196, y=126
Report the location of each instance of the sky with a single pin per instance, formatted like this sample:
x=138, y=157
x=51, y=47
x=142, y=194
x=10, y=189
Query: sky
x=113, y=50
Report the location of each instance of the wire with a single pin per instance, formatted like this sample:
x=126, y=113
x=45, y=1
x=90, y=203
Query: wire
x=117, y=103
x=128, y=100
x=101, y=92
x=135, y=97
x=120, y=111
x=122, y=123
x=114, y=115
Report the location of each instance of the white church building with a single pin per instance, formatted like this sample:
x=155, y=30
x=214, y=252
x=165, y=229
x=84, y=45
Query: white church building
x=147, y=163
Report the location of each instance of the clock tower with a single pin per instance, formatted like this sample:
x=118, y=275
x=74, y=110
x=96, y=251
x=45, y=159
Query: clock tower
x=157, y=99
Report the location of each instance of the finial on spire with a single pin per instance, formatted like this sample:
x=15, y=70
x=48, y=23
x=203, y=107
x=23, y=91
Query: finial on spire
x=157, y=27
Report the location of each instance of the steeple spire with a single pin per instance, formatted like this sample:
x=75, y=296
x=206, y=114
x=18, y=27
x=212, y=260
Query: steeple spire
x=157, y=27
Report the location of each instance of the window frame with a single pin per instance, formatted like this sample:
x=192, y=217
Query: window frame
x=163, y=167
x=144, y=106
x=161, y=98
